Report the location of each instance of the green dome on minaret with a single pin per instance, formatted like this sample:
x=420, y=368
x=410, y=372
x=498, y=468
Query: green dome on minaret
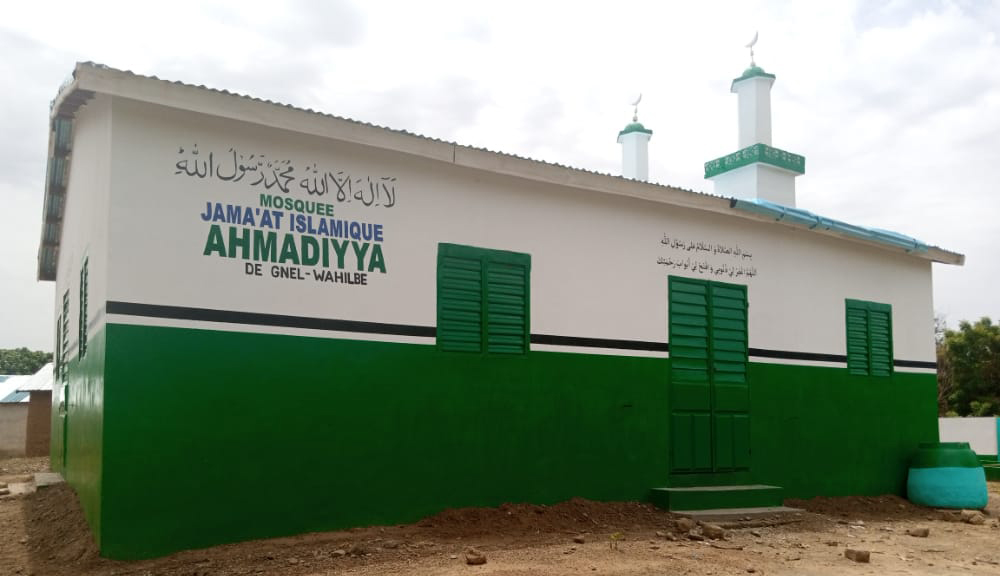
x=754, y=71
x=635, y=127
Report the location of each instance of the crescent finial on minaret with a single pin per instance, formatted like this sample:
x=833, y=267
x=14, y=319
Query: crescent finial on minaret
x=750, y=46
x=635, y=109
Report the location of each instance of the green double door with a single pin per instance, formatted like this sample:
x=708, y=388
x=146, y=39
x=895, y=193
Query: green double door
x=710, y=389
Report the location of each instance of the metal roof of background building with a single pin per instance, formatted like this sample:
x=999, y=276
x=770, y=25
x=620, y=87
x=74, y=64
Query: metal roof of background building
x=40, y=381
x=8, y=390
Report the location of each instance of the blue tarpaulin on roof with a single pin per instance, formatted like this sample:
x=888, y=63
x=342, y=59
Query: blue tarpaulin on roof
x=807, y=219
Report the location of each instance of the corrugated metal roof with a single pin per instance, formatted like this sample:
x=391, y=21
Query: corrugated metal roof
x=14, y=398
x=40, y=381
x=8, y=390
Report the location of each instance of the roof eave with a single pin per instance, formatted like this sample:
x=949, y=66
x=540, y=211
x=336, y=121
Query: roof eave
x=945, y=256
x=69, y=98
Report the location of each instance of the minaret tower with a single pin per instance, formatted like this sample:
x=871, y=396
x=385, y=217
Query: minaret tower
x=635, y=147
x=756, y=170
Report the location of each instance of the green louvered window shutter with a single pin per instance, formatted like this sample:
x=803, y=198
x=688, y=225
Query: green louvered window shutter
x=64, y=365
x=689, y=330
x=59, y=351
x=869, y=338
x=857, y=337
x=460, y=304
x=483, y=300
x=729, y=333
x=880, y=339
x=506, y=307
x=84, y=281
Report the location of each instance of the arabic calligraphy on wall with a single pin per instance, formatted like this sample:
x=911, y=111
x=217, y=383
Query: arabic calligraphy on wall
x=707, y=258
x=259, y=170
x=290, y=238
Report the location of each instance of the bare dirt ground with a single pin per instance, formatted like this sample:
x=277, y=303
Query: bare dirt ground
x=45, y=534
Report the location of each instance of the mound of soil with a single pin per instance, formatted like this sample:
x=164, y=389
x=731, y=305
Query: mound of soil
x=573, y=516
x=60, y=542
x=886, y=507
x=57, y=531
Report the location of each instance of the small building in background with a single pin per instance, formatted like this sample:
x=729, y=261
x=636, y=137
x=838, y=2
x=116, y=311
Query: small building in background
x=26, y=413
x=38, y=425
x=13, y=416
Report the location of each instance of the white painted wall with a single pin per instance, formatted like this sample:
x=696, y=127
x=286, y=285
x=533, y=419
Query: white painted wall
x=85, y=228
x=980, y=433
x=595, y=257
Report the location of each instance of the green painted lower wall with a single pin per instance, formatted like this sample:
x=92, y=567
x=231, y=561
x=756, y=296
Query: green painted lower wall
x=77, y=451
x=221, y=436
x=56, y=436
x=212, y=437
x=992, y=472
x=822, y=431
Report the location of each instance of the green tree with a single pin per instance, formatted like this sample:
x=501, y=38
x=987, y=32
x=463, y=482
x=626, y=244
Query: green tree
x=971, y=378
x=946, y=384
x=22, y=360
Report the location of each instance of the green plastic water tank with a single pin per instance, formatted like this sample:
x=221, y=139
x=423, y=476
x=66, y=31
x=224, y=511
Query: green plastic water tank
x=946, y=475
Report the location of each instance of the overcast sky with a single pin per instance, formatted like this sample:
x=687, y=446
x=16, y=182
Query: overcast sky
x=894, y=104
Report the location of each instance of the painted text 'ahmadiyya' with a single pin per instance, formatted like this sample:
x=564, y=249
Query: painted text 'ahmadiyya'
x=302, y=241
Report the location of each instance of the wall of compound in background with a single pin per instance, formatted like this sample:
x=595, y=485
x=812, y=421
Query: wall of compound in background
x=980, y=433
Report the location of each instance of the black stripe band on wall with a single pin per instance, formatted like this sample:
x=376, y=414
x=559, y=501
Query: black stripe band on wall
x=255, y=318
x=915, y=364
x=259, y=319
x=842, y=359
x=599, y=343
x=789, y=355
x=232, y=317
